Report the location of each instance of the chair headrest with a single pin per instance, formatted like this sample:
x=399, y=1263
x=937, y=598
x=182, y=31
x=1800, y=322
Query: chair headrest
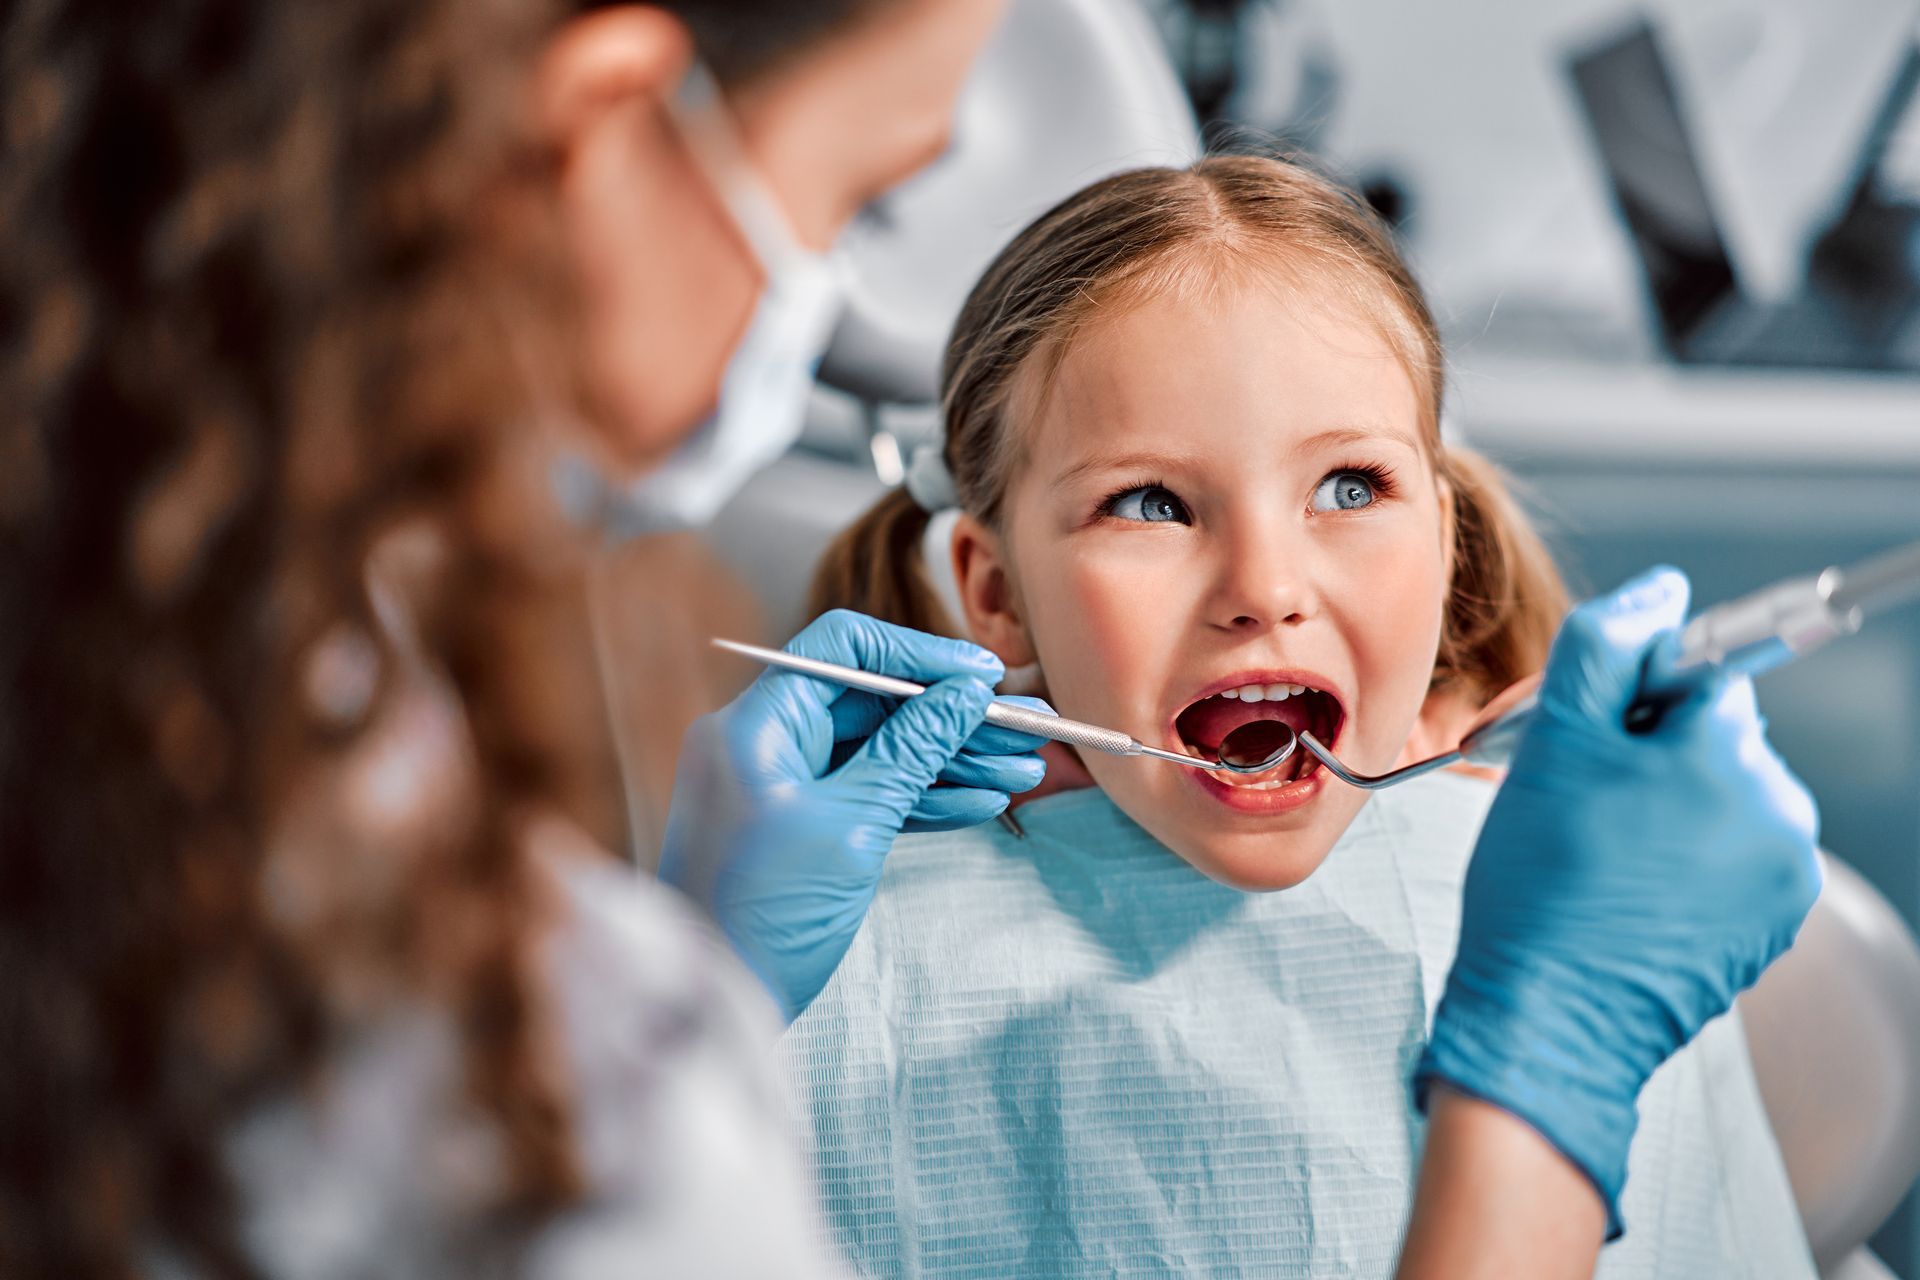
x=1067, y=92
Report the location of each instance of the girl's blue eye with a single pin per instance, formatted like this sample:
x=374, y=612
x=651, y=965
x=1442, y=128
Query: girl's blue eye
x=1149, y=503
x=1344, y=491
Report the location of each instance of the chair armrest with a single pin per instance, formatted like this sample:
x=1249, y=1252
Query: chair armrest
x=1834, y=1030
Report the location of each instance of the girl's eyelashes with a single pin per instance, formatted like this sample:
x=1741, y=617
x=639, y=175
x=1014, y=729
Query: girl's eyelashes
x=1346, y=488
x=1146, y=504
x=1352, y=488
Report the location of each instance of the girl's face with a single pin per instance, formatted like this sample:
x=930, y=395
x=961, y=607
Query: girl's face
x=1224, y=497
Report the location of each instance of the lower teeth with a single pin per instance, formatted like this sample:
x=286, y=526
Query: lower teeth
x=1287, y=774
x=1273, y=785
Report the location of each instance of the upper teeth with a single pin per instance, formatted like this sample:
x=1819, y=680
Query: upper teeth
x=1263, y=692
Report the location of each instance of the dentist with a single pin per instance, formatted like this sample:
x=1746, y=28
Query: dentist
x=305, y=975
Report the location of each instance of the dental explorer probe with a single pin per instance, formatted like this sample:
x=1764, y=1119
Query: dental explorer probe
x=1755, y=633
x=1007, y=715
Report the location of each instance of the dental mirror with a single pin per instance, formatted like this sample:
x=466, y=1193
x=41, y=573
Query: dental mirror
x=1257, y=746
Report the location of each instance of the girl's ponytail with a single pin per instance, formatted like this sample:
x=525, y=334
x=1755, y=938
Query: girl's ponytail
x=1507, y=598
x=875, y=567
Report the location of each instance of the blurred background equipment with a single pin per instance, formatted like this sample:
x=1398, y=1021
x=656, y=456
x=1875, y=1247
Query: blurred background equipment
x=1855, y=308
x=1069, y=92
x=1254, y=69
x=1673, y=246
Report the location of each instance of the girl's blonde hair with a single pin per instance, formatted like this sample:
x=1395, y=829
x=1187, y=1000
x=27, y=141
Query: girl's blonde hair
x=1150, y=230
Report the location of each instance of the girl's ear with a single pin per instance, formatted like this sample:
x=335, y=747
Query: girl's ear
x=1447, y=524
x=988, y=595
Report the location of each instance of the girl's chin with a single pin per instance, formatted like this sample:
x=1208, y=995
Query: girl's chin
x=1259, y=869
x=1276, y=856
x=1254, y=852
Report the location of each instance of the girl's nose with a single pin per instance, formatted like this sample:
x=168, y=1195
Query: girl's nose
x=1261, y=584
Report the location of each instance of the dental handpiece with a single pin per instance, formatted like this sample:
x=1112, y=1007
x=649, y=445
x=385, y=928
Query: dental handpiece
x=1753, y=634
x=1007, y=715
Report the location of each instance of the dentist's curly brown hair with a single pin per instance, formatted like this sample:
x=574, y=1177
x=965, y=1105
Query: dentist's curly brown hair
x=270, y=272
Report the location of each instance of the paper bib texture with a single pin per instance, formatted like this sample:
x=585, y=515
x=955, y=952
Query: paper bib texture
x=1074, y=1055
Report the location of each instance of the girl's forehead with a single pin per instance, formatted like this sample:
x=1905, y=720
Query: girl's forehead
x=1245, y=368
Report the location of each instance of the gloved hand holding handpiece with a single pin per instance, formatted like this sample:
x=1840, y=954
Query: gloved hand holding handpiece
x=788, y=799
x=1626, y=886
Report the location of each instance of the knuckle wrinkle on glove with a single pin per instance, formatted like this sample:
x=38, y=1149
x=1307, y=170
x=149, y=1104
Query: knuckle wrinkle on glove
x=1584, y=632
x=829, y=629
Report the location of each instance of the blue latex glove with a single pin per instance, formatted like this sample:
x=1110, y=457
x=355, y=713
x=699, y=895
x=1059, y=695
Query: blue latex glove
x=788, y=799
x=1624, y=889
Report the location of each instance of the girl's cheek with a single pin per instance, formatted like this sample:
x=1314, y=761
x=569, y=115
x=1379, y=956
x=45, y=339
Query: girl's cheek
x=1398, y=564
x=1093, y=613
x=1098, y=638
x=1407, y=591
x=1395, y=610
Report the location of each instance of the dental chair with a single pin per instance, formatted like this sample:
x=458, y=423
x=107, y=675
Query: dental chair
x=1072, y=90
x=1834, y=1030
x=1068, y=92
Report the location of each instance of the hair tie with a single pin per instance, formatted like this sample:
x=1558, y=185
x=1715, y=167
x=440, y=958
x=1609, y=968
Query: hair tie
x=928, y=481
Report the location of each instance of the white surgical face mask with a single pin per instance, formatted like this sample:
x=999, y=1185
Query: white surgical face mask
x=764, y=392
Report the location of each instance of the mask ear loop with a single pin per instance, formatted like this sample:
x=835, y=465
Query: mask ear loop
x=713, y=137
x=699, y=109
x=646, y=829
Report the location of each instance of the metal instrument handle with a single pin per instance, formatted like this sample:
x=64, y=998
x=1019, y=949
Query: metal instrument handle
x=1747, y=636
x=1761, y=631
x=851, y=677
x=1007, y=715
x=1492, y=743
x=1060, y=729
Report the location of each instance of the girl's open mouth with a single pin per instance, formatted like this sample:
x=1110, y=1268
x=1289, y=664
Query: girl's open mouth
x=1205, y=724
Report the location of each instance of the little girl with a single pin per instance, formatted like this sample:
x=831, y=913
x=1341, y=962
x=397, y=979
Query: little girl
x=1195, y=475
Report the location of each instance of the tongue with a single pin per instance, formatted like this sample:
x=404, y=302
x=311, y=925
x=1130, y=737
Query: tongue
x=1207, y=722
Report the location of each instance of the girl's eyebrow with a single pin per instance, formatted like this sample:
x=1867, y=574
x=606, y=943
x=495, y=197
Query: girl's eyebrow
x=1150, y=461
x=1355, y=435
x=1138, y=461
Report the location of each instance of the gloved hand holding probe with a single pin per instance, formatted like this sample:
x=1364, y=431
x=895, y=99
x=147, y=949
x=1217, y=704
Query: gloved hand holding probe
x=1624, y=888
x=788, y=799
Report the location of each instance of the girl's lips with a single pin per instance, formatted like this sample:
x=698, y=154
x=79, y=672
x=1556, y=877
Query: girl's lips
x=1243, y=799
